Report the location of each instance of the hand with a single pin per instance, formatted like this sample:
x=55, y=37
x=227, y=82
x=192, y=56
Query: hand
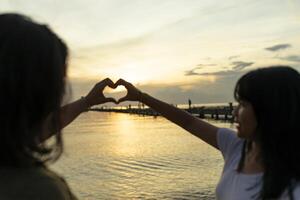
x=133, y=94
x=96, y=96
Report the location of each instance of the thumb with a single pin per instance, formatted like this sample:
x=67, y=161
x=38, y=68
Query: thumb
x=110, y=99
x=123, y=99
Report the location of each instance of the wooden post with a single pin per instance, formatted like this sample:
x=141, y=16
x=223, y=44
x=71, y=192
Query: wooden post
x=231, y=111
x=217, y=114
x=201, y=113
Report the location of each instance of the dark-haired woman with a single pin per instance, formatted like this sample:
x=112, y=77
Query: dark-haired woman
x=262, y=159
x=33, y=65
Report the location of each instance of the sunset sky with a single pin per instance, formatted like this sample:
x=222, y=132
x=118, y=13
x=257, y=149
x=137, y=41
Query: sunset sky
x=172, y=49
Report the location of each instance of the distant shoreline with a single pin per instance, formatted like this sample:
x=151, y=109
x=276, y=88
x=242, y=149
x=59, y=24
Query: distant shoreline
x=211, y=111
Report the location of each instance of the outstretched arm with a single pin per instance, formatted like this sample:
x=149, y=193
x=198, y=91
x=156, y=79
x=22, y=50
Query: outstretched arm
x=70, y=112
x=201, y=129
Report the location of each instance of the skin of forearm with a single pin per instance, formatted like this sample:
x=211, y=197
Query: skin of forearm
x=178, y=116
x=68, y=113
x=185, y=120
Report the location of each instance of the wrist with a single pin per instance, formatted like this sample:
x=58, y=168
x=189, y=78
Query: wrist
x=84, y=103
x=141, y=96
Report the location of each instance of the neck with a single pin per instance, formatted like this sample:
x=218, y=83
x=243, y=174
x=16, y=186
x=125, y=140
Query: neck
x=253, y=159
x=253, y=148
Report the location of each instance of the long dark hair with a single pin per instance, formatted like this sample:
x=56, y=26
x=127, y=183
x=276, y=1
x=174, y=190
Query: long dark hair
x=274, y=93
x=32, y=80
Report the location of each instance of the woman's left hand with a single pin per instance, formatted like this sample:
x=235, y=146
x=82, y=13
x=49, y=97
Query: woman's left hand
x=96, y=96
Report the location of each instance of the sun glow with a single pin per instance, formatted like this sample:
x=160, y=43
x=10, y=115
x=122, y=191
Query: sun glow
x=133, y=73
x=116, y=90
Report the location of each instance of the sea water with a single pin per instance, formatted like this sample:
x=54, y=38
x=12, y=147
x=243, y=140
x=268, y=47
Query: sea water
x=122, y=156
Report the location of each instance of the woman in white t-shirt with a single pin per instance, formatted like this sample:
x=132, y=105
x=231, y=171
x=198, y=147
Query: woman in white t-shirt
x=262, y=160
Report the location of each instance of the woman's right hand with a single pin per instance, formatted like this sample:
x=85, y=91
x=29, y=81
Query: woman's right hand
x=133, y=94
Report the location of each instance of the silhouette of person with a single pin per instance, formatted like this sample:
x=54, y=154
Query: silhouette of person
x=33, y=65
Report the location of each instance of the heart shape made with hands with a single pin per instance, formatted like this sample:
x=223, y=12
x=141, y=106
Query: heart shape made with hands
x=116, y=92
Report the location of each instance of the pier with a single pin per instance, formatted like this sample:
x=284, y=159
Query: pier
x=204, y=112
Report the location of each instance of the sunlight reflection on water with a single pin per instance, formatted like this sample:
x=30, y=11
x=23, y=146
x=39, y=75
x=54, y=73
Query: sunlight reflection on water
x=121, y=156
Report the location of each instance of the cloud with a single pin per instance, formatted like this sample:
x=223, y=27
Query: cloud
x=292, y=58
x=224, y=73
x=278, y=47
x=122, y=44
x=206, y=65
x=192, y=71
x=199, y=92
x=233, y=57
x=239, y=65
x=199, y=66
x=217, y=73
x=237, y=68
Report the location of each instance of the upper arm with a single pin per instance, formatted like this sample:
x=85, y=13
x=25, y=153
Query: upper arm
x=203, y=130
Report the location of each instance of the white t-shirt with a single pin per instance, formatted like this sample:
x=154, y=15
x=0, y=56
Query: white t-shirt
x=234, y=185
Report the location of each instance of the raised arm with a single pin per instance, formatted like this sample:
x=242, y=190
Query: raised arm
x=71, y=111
x=201, y=129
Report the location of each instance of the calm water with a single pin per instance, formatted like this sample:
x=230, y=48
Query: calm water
x=121, y=156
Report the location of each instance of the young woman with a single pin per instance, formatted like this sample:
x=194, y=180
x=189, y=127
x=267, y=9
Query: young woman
x=262, y=158
x=33, y=65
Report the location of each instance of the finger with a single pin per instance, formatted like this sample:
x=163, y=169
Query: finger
x=110, y=83
x=106, y=82
x=121, y=82
x=123, y=99
x=103, y=83
x=124, y=83
x=110, y=99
